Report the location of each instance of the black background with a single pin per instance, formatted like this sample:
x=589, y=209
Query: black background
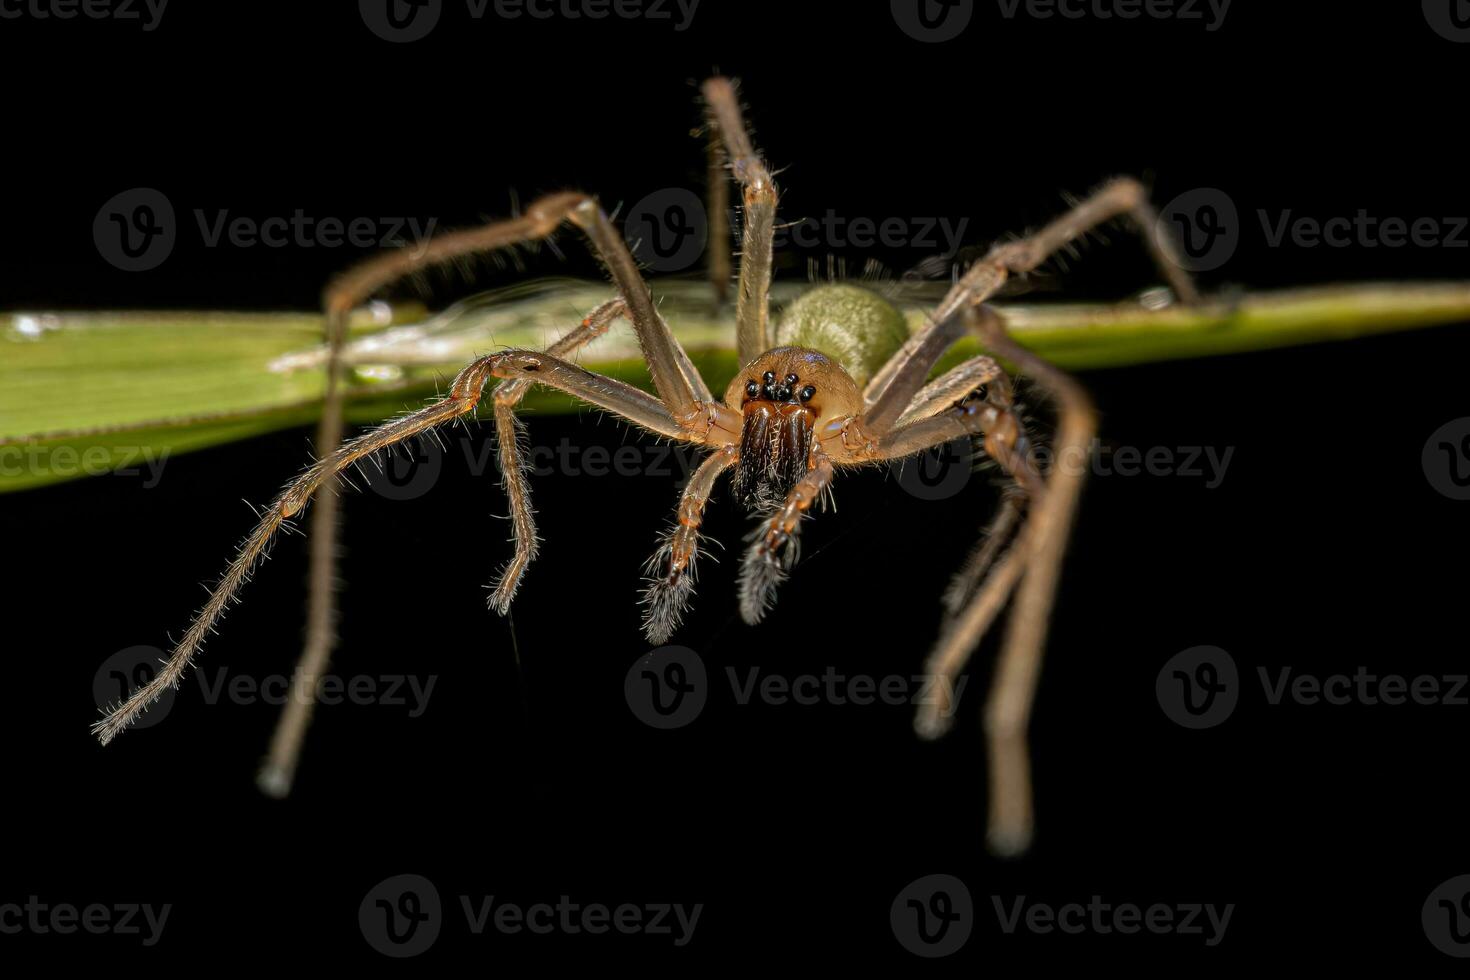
x=1323, y=549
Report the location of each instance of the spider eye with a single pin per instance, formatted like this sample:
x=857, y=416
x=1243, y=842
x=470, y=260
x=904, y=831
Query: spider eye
x=752, y=389
x=768, y=377
x=807, y=393
x=791, y=380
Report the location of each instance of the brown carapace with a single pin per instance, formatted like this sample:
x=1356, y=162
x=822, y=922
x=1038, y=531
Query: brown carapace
x=791, y=417
x=786, y=396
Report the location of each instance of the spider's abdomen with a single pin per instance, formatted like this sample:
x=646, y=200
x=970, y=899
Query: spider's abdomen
x=855, y=327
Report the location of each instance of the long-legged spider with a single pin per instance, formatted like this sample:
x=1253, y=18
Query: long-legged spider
x=837, y=383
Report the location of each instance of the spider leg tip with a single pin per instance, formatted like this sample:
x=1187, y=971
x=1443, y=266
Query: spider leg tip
x=931, y=725
x=1009, y=842
x=274, y=781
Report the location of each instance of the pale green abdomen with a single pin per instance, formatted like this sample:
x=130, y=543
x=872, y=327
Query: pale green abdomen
x=853, y=326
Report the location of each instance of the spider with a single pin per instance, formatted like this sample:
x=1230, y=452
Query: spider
x=838, y=382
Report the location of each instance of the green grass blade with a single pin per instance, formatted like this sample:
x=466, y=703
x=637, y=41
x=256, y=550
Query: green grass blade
x=85, y=393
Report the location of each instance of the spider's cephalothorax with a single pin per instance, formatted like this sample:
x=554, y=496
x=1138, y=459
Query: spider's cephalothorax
x=833, y=337
x=782, y=397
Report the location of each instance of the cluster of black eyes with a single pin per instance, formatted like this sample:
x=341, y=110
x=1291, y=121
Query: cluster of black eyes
x=770, y=390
